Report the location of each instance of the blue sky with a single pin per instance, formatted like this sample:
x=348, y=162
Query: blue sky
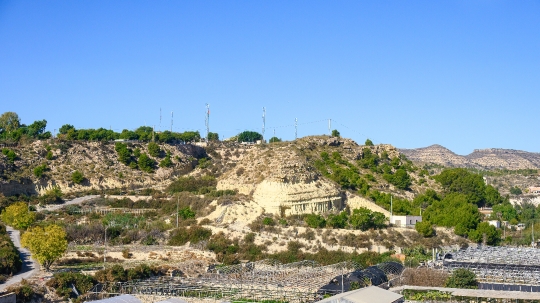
x=463, y=74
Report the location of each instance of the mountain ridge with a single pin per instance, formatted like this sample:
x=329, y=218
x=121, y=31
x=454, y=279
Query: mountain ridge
x=487, y=158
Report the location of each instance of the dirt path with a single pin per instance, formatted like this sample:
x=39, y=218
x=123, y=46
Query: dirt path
x=70, y=202
x=29, y=268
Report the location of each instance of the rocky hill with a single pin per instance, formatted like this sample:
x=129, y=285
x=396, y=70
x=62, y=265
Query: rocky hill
x=279, y=177
x=492, y=158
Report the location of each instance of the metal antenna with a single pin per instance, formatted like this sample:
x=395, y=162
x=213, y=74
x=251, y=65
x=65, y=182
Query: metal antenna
x=160, y=119
x=171, y=121
x=207, y=120
x=295, y=128
x=329, y=126
x=264, y=122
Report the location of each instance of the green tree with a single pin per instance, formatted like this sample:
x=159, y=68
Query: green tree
x=124, y=153
x=514, y=190
x=368, y=142
x=399, y=179
x=153, y=149
x=487, y=232
x=77, y=177
x=274, y=139
x=166, y=162
x=461, y=181
x=11, y=155
x=364, y=219
x=462, y=278
x=338, y=221
x=46, y=244
x=146, y=163
x=9, y=122
x=335, y=133
x=249, y=136
x=49, y=155
x=454, y=210
x=18, y=215
x=315, y=221
x=64, y=129
x=425, y=229
x=213, y=136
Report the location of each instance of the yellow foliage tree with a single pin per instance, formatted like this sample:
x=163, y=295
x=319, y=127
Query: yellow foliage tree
x=18, y=215
x=46, y=244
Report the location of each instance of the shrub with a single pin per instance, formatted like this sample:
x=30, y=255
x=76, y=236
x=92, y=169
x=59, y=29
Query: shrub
x=63, y=283
x=77, y=177
x=146, y=163
x=186, y=213
x=369, y=142
x=153, y=149
x=194, y=234
x=268, y=221
x=425, y=229
x=11, y=155
x=315, y=221
x=462, y=278
x=166, y=162
x=49, y=155
x=10, y=262
x=39, y=170
x=18, y=215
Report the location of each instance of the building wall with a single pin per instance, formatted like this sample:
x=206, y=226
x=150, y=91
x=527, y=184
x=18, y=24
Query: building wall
x=405, y=221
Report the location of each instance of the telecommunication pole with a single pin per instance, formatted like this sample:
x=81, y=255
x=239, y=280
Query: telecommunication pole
x=330, y=127
x=264, y=122
x=295, y=128
x=160, y=119
x=207, y=120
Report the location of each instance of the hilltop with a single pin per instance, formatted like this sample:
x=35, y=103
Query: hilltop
x=491, y=158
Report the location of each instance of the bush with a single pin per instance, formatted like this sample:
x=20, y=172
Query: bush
x=194, y=234
x=369, y=142
x=77, y=177
x=146, y=163
x=10, y=262
x=153, y=149
x=166, y=162
x=462, y=278
x=26, y=292
x=315, y=221
x=39, y=170
x=186, y=213
x=268, y=221
x=11, y=155
x=63, y=283
x=425, y=229
x=191, y=184
x=18, y=215
x=49, y=155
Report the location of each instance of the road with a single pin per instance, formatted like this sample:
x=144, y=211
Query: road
x=30, y=267
x=70, y=202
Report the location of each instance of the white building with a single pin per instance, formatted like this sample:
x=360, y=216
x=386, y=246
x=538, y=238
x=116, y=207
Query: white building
x=405, y=221
x=495, y=223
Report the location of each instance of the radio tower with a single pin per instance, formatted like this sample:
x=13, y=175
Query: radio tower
x=264, y=121
x=207, y=120
x=160, y=119
x=295, y=128
x=171, y=121
x=329, y=127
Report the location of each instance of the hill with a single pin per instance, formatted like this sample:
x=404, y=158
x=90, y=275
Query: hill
x=492, y=158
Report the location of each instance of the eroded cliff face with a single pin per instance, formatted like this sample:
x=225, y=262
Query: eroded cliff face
x=281, y=178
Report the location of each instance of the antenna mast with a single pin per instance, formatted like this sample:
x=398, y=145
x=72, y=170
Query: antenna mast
x=330, y=127
x=295, y=128
x=264, y=122
x=207, y=120
x=160, y=119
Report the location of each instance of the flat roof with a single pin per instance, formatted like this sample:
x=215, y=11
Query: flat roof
x=372, y=294
x=476, y=293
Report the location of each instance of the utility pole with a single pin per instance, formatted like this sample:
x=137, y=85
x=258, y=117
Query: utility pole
x=160, y=119
x=264, y=122
x=329, y=127
x=295, y=128
x=177, y=205
x=207, y=120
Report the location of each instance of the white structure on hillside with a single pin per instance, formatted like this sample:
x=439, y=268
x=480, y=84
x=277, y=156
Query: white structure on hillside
x=405, y=221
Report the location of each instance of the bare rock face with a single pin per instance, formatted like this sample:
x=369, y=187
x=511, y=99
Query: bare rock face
x=491, y=158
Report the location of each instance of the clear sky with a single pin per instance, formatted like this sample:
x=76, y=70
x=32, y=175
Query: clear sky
x=463, y=74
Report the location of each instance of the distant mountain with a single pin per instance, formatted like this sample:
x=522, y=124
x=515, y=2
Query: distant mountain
x=491, y=158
